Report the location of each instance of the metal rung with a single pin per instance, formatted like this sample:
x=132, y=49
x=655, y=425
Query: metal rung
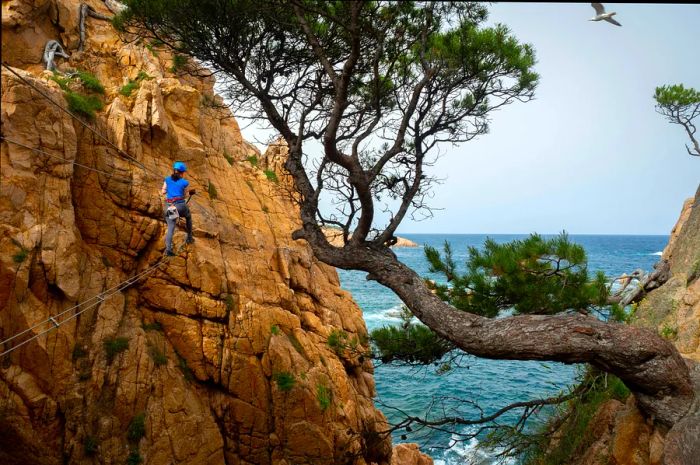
x=55, y=323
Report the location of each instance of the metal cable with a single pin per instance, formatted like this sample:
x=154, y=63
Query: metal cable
x=101, y=297
x=111, y=175
x=74, y=116
x=113, y=290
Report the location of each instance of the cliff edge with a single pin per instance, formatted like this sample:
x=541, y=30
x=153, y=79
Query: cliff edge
x=218, y=355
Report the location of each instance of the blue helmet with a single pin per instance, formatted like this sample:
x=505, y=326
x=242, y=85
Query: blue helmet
x=179, y=166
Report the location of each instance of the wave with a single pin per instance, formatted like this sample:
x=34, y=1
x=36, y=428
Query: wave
x=390, y=315
x=470, y=453
x=657, y=253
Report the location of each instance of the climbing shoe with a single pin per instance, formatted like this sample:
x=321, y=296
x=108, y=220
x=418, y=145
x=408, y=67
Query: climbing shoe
x=170, y=253
x=189, y=240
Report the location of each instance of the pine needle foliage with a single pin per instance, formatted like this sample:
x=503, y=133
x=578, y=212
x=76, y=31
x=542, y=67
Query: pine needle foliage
x=90, y=82
x=533, y=275
x=408, y=342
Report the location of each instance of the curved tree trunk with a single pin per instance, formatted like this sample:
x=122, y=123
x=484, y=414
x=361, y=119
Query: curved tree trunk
x=649, y=365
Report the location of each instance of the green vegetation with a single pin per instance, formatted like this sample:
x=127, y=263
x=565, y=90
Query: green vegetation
x=79, y=104
x=114, y=346
x=212, y=191
x=265, y=209
x=85, y=374
x=228, y=157
x=533, y=275
x=134, y=458
x=137, y=427
x=83, y=105
x=621, y=315
x=285, y=380
x=209, y=101
x=570, y=423
x=154, y=326
x=669, y=332
x=60, y=80
x=694, y=272
x=157, y=355
x=90, y=446
x=184, y=368
x=150, y=48
x=253, y=160
x=275, y=330
x=296, y=344
x=680, y=106
x=78, y=352
x=337, y=341
x=90, y=82
x=271, y=176
x=179, y=62
x=128, y=88
x=229, y=302
x=106, y=262
x=20, y=256
x=412, y=343
x=324, y=396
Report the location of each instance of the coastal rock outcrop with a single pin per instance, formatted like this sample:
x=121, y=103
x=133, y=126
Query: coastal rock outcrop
x=619, y=433
x=335, y=237
x=218, y=355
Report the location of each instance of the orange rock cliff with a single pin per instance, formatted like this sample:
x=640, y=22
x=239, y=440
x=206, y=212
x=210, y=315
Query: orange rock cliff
x=618, y=433
x=216, y=356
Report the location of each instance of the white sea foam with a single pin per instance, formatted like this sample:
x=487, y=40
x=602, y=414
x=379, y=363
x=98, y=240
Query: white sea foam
x=469, y=453
x=657, y=253
x=390, y=315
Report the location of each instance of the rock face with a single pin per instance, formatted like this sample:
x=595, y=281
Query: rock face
x=217, y=356
x=674, y=308
x=622, y=434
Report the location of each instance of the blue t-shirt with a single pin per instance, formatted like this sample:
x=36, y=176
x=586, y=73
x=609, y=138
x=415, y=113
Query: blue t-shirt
x=175, y=188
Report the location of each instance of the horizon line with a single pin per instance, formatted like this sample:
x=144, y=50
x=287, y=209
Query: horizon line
x=542, y=234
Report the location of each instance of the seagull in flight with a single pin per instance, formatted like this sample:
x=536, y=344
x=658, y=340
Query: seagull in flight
x=601, y=15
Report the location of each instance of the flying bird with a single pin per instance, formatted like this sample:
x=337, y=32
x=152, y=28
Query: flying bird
x=601, y=15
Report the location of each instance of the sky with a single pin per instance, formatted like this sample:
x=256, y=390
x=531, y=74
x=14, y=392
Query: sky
x=589, y=155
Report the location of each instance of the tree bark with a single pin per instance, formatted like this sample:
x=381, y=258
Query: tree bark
x=649, y=365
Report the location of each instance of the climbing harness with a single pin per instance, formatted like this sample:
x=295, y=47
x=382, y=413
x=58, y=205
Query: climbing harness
x=55, y=321
x=171, y=213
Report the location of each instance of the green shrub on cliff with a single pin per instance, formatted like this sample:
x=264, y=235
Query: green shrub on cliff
x=79, y=104
x=285, y=380
x=114, y=346
x=570, y=424
x=134, y=458
x=90, y=446
x=90, y=82
x=137, y=428
x=157, y=355
x=133, y=84
x=83, y=105
x=324, y=396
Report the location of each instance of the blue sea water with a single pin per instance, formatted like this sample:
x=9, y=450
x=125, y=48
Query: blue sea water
x=490, y=384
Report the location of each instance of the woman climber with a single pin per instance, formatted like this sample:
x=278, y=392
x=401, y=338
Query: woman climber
x=174, y=187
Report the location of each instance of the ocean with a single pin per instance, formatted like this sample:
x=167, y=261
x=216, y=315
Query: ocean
x=488, y=384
